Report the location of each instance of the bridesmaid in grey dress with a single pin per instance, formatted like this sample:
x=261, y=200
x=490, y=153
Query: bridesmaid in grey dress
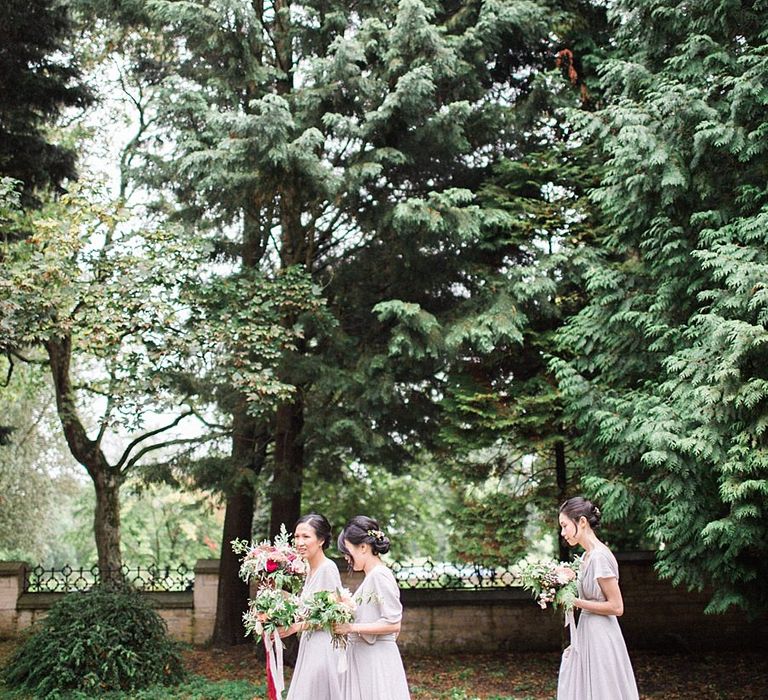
x=374, y=667
x=596, y=665
x=316, y=675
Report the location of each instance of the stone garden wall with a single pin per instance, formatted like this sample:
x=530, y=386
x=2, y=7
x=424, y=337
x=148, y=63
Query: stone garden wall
x=657, y=615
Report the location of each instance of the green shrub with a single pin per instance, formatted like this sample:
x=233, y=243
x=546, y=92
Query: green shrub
x=197, y=688
x=96, y=642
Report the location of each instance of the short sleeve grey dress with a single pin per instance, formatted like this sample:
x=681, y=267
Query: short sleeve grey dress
x=374, y=667
x=596, y=665
x=316, y=674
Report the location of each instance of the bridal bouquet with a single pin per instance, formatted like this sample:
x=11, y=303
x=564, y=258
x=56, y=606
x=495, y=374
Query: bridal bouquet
x=279, y=572
x=277, y=565
x=324, y=609
x=271, y=609
x=552, y=582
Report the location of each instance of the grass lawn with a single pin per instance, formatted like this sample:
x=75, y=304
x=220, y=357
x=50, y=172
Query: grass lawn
x=235, y=674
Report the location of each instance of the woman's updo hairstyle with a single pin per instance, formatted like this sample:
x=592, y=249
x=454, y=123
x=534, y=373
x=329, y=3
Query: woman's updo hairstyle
x=319, y=523
x=577, y=506
x=361, y=529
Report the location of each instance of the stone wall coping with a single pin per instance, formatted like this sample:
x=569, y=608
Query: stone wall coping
x=438, y=597
x=38, y=601
x=12, y=568
x=207, y=566
x=171, y=600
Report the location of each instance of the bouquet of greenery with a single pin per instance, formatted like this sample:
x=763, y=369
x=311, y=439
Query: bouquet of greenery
x=271, y=609
x=552, y=582
x=325, y=609
x=276, y=565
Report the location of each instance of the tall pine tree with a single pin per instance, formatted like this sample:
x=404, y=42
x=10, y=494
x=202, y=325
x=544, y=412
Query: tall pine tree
x=38, y=79
x=346, y=140
x=664, y=370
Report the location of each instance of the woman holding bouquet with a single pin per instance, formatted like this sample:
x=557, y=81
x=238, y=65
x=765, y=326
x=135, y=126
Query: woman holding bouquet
x=315, y=676
x=596, y=665
x=374, y=667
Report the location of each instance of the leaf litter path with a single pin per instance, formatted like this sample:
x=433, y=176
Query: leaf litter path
x=533, y=676
x=519, y=676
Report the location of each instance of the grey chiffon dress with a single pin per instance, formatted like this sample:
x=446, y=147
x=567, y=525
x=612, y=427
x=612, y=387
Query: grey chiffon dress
x=374, y=667
x=316, y=674
x=596, y=665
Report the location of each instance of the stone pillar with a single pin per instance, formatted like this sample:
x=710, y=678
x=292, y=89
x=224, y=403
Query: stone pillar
x=205, y=594
x=11, y=587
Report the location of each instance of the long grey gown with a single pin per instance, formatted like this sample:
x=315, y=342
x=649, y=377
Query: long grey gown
x=596, y=665
x=316, y=674
x=374, y=667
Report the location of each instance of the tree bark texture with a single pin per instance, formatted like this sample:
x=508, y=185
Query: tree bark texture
x=106, y=524
x=562, y=490
x=248, y=453
x=289, y=467
x=106, y=478
x=232, y=594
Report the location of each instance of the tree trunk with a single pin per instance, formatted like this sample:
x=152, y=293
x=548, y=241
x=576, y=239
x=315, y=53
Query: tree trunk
x=562, y=546
x=249, y=444
x=106, y=479
x=106, y=524
x=289, y=466
x=562, y=486
x=232, y=595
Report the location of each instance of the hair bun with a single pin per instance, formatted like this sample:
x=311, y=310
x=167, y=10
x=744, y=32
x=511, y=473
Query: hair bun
x=362, y=529
x=381, y=545
x=579, y=507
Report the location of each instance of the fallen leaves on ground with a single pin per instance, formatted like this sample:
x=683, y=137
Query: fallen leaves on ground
x=522, y=676
x=533, y=676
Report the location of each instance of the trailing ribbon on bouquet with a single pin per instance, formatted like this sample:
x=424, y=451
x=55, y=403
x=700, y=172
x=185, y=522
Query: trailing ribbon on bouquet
x=570, y=621
x=341, y=664
x=275, y=679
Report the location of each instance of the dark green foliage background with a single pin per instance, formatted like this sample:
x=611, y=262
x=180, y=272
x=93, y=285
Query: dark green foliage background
x=538, y=267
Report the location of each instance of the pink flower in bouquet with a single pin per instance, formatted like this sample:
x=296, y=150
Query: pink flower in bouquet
x=564, y=574
x=344, y=598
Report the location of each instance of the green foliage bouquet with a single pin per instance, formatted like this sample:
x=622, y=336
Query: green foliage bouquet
x=325, y=609
x=552, y=582
x=270, y=610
